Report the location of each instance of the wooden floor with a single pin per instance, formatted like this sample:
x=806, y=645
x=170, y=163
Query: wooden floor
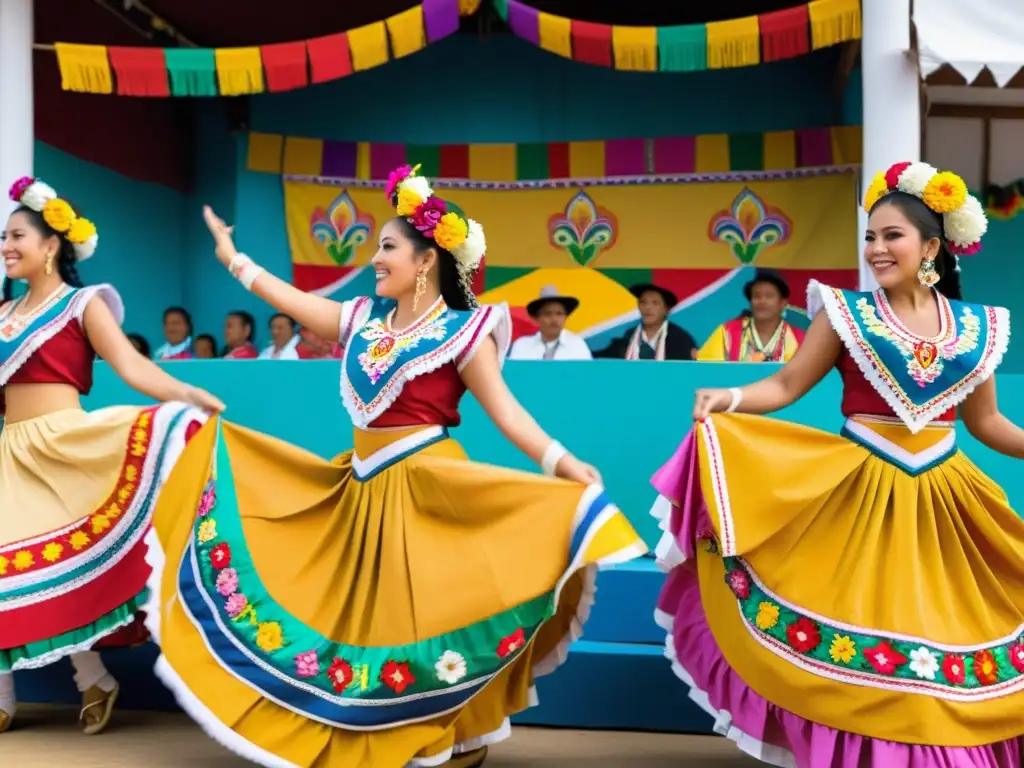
x=47, y=737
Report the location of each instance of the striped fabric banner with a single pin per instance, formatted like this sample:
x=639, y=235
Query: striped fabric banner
x=615, y=158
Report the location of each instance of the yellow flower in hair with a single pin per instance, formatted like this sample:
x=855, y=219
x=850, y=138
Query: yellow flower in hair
x=408, y=200
x=59, y=215
x=877, y=188
x=451, y=231
x=945, y=192
x=81, y=230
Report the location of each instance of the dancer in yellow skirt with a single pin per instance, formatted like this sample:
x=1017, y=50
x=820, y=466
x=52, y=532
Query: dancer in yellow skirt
x=859, y=599
x=76, y=489
x=391, y=607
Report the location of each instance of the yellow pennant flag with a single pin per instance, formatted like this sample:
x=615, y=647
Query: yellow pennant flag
x=555, y=34
x=239, y=71
x=834, y=22
x=734, y=43
x=368, y=45
x=407, y=32
x=635, y=48
x=84, y=68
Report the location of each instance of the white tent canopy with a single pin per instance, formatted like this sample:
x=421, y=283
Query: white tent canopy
x=971, y=36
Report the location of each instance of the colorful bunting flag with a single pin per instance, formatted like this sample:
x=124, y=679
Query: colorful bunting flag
x=784, y=34
x=84, y=68
x=140, y=71
x=285, y=65
x=592, y=43
x=239, y=71
x=329, y=57
x=193, y=71
x=407, y=32
x=834, y=22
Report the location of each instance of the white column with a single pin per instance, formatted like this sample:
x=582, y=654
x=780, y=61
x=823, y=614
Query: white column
x=17, y=125
x=892, y=109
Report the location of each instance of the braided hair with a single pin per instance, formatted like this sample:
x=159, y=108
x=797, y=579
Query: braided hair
x=67, y=259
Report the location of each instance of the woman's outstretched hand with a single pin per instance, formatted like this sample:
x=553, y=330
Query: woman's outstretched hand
x=200, y=398
x=571, y=468
x=224, y=246
x=708, y=401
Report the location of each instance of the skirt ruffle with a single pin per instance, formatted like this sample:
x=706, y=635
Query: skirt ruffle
x=792, y=686
x=77, y=492
x=389, y=608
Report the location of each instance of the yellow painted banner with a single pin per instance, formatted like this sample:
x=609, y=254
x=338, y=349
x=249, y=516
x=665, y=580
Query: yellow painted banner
x=803, y=223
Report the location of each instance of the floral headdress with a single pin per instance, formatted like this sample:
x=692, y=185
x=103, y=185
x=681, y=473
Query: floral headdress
x=441, y=221
x=945, y=193
x=58, y=213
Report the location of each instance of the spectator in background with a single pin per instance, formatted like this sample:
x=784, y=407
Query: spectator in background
x=312, y=347
x=205, y=347
x=140, y=344
x=239, y=334
x=284, y=335
x=177, y=335
x=655, y=338
x=760, y=334
x=552, y=342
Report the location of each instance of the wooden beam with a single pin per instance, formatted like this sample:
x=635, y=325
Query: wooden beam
x=976, y=112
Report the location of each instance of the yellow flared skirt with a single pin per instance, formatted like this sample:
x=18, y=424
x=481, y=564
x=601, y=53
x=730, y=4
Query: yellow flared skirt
x=872, y=582
x=392, y=606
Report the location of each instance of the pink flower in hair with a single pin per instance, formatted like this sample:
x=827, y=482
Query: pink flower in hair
x=427, y=216
x=18, y=188
x=965, y=250
x=395, y=178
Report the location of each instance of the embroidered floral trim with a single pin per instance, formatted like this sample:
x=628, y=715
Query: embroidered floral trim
x=867, y=657
x=454, y=661
x=915, y=416
x=45, y=551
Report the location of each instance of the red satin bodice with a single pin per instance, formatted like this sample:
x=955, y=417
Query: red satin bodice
x=860, y=397
x=431, y=398
x=67, y=358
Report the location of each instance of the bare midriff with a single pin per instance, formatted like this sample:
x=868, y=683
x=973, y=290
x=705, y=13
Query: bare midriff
x=28, y=401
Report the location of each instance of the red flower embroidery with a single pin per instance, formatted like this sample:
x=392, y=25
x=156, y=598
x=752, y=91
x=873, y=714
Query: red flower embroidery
x=512, y=643
x=220, y=556
x=953, y=668
x=884, y=658
x=986, y=669
x=803, y=635
x=1016, y=654
x=340, y=674
x=739, y=583
x=396, y=676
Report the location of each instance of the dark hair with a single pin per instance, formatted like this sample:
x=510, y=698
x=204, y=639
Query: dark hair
x=929, y=224
x=289, y=318
x=140, y=344
x=66, y=257
x=452, y=291
x=184, y=316
x=248, y=320
x=205, y=337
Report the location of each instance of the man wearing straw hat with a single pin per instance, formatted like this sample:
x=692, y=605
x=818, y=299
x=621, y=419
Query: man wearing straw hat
x=552, y=342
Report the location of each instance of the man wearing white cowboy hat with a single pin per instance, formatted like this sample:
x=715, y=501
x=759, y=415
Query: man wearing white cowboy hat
x=552, y=342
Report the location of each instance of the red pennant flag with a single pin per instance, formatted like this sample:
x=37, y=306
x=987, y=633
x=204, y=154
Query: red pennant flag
x=140, y=71
x=329, y=57
x=592, y=43
x=785, y=34
x=285, y=65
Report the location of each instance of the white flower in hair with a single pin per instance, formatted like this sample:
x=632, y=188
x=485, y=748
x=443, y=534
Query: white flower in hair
x=915, y=178
x=967, y=224
x=473, y=248
x=38, y=195
x=85, y=250
x=419, y=185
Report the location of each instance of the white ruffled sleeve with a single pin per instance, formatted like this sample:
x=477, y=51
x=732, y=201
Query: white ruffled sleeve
x=493, y=320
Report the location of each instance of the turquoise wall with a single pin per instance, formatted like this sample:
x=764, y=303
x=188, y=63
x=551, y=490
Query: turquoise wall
x=142, y=240
x=627, y=439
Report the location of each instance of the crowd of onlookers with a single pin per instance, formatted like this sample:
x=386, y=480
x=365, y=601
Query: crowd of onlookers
x=760, y=333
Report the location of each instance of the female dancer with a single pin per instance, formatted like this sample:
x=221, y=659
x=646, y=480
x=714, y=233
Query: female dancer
x=76, y=488
x=391, y=607
x=903, y=648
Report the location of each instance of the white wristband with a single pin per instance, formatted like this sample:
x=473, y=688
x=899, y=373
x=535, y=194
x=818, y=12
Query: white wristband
x=244, y=270
x=737, y=398
x=554, y=454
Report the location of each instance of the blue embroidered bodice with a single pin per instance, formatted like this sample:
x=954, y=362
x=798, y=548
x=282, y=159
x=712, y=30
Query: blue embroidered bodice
x=920, y=378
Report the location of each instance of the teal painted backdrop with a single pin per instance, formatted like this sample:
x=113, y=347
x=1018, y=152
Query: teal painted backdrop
x=627, y=436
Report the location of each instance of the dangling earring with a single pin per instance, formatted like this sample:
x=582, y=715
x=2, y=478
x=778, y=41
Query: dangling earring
x=927, y=275
x=49, y=264
x=421, y=288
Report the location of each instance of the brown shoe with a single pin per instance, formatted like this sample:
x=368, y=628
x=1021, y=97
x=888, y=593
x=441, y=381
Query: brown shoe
x=97, y=708
x=472, y=759
x=5, y=721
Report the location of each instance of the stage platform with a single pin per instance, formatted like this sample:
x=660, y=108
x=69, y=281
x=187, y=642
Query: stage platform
x=615, y=678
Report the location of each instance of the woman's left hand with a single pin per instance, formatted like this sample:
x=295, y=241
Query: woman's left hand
x=571, y=468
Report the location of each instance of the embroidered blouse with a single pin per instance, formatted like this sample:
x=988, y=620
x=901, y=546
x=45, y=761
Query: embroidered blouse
x=918, y=379
x=410, y=377
x=53, y=349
